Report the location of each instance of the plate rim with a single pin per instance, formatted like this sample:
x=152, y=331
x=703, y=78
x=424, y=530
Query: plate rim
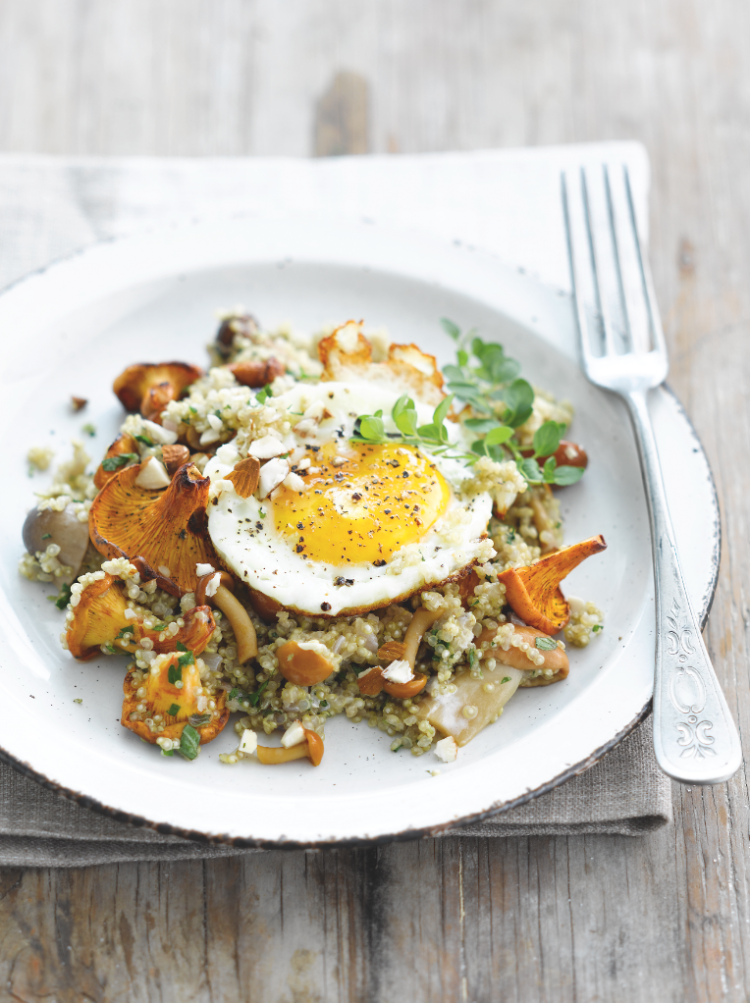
x=245, y=842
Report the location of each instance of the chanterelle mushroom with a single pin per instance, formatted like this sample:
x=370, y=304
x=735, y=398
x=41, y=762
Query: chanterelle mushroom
x=167, y=380
x=161, y=701
x=167, y=528
x=101, y=616
x=534, y=593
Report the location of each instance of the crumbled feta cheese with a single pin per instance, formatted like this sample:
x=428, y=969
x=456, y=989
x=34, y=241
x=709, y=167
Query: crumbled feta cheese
x=158, y=433
x=208, y=437
x=212, y=585
x=204, y=569
x=577, y=606
x=215, y=422
x=315, y=411
x=248, y=742
x=294, y=482
x=153, y=476
x=294, y=735
x=271, y=475
x=446, y=749
x=267, y=447
x=338, y=461
x=398, y=672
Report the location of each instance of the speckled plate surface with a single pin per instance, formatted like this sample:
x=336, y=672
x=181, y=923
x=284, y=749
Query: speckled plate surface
x=70, y=329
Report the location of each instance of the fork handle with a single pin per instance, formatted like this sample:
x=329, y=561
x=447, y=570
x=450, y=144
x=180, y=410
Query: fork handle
x=695, y=737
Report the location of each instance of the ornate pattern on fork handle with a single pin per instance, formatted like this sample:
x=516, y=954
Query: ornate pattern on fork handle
x=695, y=738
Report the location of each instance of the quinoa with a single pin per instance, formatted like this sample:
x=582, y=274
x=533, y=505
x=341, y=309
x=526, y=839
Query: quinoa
x=217, y=409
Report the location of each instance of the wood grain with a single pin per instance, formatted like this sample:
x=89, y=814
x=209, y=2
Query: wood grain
x=665, y=918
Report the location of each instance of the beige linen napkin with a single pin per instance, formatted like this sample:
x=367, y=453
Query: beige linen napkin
x=50, y=207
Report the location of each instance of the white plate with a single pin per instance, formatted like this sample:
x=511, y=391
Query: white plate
x=70, y=329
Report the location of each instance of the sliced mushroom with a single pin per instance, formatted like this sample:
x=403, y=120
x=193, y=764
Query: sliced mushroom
x=534, y=593
x=311, y=748
x=555, y=659
x=168, y=529
x=177, y=705
x=63, y=529
x=209, y=590
x=301, y=662
x=168, y=380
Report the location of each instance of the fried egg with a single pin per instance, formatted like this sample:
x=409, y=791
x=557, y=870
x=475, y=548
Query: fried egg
x=339, y=526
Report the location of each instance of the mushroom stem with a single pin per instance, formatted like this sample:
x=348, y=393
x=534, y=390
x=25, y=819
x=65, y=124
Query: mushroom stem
x=422, y=620
x=242, y=625
x=311, y=748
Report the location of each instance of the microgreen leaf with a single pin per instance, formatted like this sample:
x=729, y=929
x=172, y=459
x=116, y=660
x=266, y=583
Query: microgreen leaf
x=481, y=425
x=441, y=411
x=519, y=401
x=499, y=435
x=568, y=475
x=174, y=674
x=530, y=470
x=547, y=439
x=189, y=742
x=404, y=415
x=545, y=643
x=450, y=328
x=371, y=428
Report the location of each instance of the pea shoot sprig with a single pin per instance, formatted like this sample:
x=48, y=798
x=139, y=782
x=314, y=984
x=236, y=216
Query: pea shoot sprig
x=488, y=381
x=371, y=427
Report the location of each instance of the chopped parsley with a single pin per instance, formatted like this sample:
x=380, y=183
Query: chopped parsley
x=189, y=742
x=64, y=598
x=46, y=536
x=545, y=643
x=597, y=627
x=145, y=440
x=89, y=429
x=110, y=463
x=505, y=679
x=174, y=710
x=174, y=674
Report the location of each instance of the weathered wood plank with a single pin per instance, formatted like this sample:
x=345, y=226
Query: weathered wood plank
x=662, y=919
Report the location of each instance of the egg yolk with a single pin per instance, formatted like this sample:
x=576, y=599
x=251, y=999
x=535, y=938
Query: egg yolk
x=364, y=509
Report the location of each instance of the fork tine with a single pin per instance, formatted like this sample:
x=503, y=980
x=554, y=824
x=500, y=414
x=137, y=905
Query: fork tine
x=646, y=281
x=617, y=257
x=575, y=274
x=594, y=251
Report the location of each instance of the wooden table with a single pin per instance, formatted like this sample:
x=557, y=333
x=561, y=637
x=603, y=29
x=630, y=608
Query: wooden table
x=664, y=918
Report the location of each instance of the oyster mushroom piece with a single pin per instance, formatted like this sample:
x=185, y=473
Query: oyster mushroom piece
x=168, y=529
x=534, y=593
x=173, y=690
x=148, y=387
x=470, y=708
x=64, y=529
x=102, y=616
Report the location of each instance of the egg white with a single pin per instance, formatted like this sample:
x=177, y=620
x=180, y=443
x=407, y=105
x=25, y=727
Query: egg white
x=244, y=535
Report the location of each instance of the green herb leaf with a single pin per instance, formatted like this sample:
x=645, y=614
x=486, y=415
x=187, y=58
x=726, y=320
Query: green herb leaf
x=145, y=440
x=124, y=633
x=547, y=439
x=441, y=411
x=404, y=415
x=64, y=598
x=545, y=643
x=254, y=698
x=187, y=659
x=482, y=425
x=110, y=463
x=165, y=753
x=519, y=401
x=180, y=646
x=530, y=470
x=174, y=674
x=371, y=428
x=46, y=536
x=198, y=720
x=505, y=679
x=263, y=395
x=89, y=429
x=174, y=709
x=568, y=475
x=596, y=628
x=498, y=436
x=472, y=657
x=450, y=328
x=189, y=742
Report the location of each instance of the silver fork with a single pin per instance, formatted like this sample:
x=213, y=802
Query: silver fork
x=695, y=737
